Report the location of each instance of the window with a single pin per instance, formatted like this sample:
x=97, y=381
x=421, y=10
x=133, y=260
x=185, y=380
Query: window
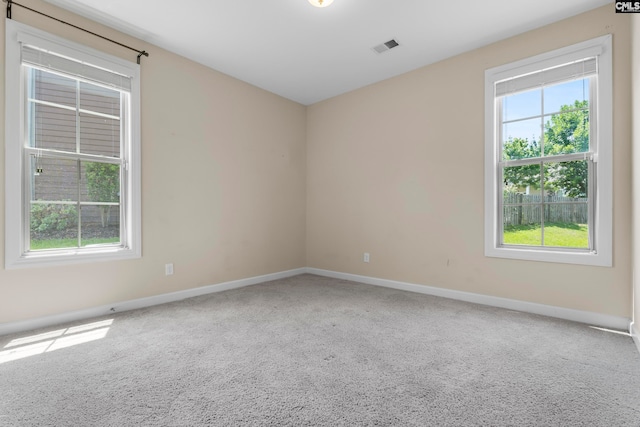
x=548, y=166
x=73, y=152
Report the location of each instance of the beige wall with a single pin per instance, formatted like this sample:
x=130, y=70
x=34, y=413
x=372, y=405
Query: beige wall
x=223, y=185
x=636, y=171
x=238, y=182
x=396, y=169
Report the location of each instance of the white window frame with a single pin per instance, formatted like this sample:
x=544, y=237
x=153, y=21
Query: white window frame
x=602, y=206
x=16, y=217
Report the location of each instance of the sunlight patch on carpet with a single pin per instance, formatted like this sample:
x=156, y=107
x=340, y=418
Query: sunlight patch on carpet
x=32, y=345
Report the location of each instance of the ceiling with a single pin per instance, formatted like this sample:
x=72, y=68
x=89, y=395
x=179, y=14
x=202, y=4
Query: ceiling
x=309, y=54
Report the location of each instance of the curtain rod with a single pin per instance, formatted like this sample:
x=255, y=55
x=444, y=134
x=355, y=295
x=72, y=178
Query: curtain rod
x=11, y=2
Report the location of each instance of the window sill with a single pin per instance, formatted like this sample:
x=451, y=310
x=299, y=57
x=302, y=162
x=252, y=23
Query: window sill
x=69, y=257
x=557, y=256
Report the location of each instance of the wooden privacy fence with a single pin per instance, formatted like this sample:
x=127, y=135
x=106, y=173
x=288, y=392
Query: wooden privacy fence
x=523, y=209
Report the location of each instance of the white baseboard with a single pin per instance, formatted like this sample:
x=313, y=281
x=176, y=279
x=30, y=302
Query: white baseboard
x=594, y=319
x=56, y=319
x=635, y=334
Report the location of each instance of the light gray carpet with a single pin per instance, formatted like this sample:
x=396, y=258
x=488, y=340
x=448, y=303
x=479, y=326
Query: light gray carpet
x=313, y=351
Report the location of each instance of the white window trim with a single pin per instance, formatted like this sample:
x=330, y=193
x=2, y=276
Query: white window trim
x=15, y=256
x=603, y=230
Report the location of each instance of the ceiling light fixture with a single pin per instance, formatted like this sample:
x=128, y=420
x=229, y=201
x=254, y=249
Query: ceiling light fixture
x=321, y=3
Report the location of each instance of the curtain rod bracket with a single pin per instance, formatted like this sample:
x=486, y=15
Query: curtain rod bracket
x=145, y=53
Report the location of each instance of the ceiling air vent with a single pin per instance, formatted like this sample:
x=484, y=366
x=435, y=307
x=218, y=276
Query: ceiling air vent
x=386, y=46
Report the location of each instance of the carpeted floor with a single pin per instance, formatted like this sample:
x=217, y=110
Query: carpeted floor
x=314, y=351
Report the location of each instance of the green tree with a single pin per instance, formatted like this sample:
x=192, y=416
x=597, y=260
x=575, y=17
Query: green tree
x=565, y=133
x=103, y=185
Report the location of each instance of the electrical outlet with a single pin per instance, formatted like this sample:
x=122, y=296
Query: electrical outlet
x=366, y=257
x=168, y=269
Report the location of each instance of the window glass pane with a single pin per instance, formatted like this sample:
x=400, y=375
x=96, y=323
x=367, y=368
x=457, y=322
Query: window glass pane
x=99, y=135
x=566, y=207
x=54, y=179
x=51, y=87
x=100, y=182
x=53, y=219
x=52, y=127
x=567, y=132
x=53, y=226
x=557, y=216
x=521, y=179
x=566, y=225
x=567, y=179
x=565, y=94
x=100, y=225
x=99, y=99
x=521, y=223
x=521, y=139
x=521, y=105
x=522, y=215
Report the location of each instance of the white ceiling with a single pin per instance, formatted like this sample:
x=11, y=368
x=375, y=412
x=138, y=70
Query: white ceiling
x=309, y=54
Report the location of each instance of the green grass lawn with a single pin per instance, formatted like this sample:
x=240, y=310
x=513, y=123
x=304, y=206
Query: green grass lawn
x=38, y=245
x=555, y=234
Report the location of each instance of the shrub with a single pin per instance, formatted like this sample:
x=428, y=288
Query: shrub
x=46, y=218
